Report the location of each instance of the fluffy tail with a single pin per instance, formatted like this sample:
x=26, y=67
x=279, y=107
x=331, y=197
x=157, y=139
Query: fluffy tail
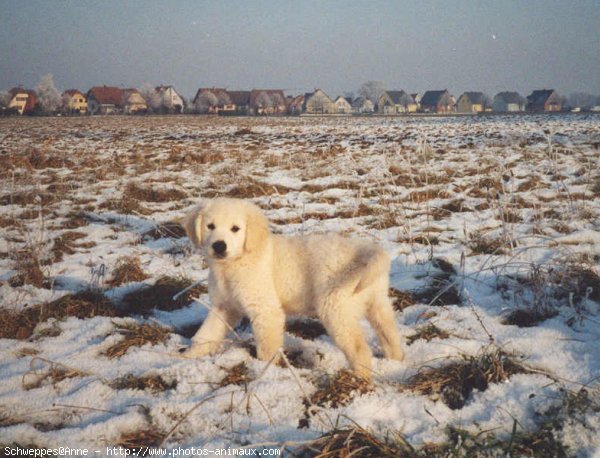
x=375, y=264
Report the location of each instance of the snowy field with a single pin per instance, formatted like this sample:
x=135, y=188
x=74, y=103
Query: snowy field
x=493, y=225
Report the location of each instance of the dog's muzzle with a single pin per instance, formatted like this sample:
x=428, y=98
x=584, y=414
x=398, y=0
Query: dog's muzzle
x=219, y=249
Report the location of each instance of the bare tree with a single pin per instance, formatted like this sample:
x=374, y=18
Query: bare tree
x=49, y=98
x=582, y=100
x=4, y=99
x=278, y=101
x=372, y=90
x=205, y=102
x=153, y=99
x=264, y=102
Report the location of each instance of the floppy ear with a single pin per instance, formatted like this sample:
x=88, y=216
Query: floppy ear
x=192, y=223
x=257, y=229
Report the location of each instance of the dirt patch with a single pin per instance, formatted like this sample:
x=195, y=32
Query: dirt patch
x=154, y=383
x=440, y=289
x=127, y=269
x=85, y=304
x=136, y=335
x=306, y=328
x=527, y=318
x=455, y=382
x=160, y=295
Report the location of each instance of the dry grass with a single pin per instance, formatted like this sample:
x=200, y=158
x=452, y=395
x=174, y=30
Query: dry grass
x=454, y=383
x=43, y=371
x=335, y=391
x=169, y=229
x=138, y=442
x=401, y=299
x=85, y=304
x=236, y=375
x=151, y=194
x=127, y=269
x=428, y=333
x=153, y=383
x=160, y=295
x=526, y=318
x=136, y=335
x=65, y=244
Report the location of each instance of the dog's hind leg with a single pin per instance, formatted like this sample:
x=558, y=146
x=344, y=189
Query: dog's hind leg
x=220, y=321
x=347, y=334
x=380, y=315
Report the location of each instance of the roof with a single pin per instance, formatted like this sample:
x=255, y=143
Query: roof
x=345, y=99
x=106, y=95
x=239, y=98
x=540, y=96
x=476, y=98
x=433, y=97
x=510, y=97
x=400, y=97
x=217, y=91
x=72, y=92
x=255, y=93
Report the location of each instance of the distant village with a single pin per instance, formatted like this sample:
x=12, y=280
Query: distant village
x=164, y=99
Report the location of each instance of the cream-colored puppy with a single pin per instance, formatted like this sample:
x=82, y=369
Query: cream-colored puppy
x=265, y=277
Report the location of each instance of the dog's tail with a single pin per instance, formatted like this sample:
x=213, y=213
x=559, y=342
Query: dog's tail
x=375, y=263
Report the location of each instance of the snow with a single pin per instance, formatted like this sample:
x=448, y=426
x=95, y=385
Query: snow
x=558, y=222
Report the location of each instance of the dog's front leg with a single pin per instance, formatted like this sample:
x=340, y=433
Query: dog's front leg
x=268, y=321
x=220, y=320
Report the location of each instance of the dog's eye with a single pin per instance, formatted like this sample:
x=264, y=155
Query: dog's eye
x=211, y=226
x=234, y=228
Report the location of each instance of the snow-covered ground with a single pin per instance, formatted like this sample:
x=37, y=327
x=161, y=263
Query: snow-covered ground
x=501, y=212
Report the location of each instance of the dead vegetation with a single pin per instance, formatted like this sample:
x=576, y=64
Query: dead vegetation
x=136, y=335
x=85, y=304
x=453, y=383
x=138, y=442
x=305, y=328
x=153, y=383
x=428, y=333
x=236, y=375
x=401, y=299
x=160, y=295
x=43, y=371
x=127, y=269
x=335, y=391
x=168, y=229
x=151, y=194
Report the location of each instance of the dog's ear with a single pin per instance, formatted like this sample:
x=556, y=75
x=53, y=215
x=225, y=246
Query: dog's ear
x=192, y=223
x=257, y=229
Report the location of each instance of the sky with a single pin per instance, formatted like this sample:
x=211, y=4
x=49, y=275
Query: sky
x=300, y=45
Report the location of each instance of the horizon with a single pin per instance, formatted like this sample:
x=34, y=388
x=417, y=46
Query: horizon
x=297, y=47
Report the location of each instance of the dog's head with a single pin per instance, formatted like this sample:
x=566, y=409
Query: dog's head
x=226, y=229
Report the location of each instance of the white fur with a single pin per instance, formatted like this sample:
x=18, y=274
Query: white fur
x=266, y=277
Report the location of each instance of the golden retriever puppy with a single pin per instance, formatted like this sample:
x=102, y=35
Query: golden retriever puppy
x=265, y=277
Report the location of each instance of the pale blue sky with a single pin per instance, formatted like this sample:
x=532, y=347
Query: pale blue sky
x=299, y=45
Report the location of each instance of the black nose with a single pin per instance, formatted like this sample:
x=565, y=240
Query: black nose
x=219, y=247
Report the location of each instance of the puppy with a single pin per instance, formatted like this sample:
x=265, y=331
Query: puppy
x=265, y=277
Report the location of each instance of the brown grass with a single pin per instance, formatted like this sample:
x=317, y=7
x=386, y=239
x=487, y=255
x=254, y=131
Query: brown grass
x=154, y=383
x=43, y=371
x=169, y=229
x=139, y=441
x=335, y=391
x=401, y=299
x=526, y=318
x=236, y=375
x=455, y=382
x=428, y=333
x=148, y=194
x=65, y=244
x=85, y=304
x=127, y=269
x=160, y=295
x=136, y=335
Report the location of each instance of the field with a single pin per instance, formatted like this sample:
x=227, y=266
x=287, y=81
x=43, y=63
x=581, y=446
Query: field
x=493, y=225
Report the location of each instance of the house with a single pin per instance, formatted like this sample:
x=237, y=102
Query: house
x=241, y=101
x=394, y=102
x=22, y=100
x=437, y=102
x=544, y=100
x=342, y=106
x=295, y=105
x=505, y=102
x=212, y=100
x=362, y=105
x=74, y=101
x=105, y=100
x=170, y=99
x=267, y=101
x=472, y=102
x=318, y=102
x=133, y=102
